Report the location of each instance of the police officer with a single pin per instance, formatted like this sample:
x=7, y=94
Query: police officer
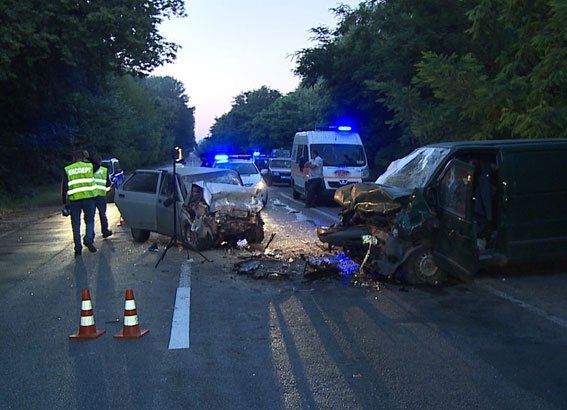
x=77, y=192
x=102, y=183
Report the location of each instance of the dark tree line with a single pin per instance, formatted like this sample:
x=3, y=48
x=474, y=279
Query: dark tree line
x=410, y=72
x=74, y=74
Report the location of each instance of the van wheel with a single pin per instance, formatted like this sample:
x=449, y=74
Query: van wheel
x=140, y=235
x=420, y=268
x=296, y=194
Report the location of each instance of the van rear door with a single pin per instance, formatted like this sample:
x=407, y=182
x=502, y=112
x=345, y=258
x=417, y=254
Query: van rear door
x=454, y=243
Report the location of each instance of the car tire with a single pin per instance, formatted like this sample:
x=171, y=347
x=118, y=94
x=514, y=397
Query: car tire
x=295, y=193
x=196, y=242
x=256, y=234
x=140, y=235
x=420, y=268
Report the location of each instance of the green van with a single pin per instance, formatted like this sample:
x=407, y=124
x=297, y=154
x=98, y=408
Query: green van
x=456, y=207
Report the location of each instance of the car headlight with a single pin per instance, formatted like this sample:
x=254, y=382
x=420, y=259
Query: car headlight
x=260, y=185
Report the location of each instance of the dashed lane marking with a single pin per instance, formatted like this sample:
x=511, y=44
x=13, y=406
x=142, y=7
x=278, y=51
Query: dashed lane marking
x=325, y=214
x=180, y=326
x=530, y=308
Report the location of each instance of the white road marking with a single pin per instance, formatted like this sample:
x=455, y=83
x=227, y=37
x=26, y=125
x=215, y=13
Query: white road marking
x=527, y=306
x=180, y=330
x=325, y=214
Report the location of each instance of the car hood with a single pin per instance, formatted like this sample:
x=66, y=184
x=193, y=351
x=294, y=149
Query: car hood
x=370, y=197
x=251, y=179
x=228, y=197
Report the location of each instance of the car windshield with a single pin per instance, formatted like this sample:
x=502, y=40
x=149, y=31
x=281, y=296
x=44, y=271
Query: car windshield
x=413, y=170
x=340, y=154
x=243, y=168
x=227, y=177
x=280, y=163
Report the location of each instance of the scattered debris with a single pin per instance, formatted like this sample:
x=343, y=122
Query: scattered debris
x=153, y=247
x=242, y=243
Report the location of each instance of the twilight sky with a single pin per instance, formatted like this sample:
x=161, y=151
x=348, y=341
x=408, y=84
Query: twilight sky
x=229, y=47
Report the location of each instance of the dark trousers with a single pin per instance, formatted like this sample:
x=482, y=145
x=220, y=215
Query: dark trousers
x=87, y=207
x=314, y=186
x=100, y=203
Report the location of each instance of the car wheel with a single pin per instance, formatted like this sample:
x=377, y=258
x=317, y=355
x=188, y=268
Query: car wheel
x=256, y=234
x=296, y=194
x=420, y=268
x=197, y=240
x=140, y=235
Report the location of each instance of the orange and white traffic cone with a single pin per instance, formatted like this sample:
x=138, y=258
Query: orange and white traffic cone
x=87, y=329
x=131, y=328
x=122, y=222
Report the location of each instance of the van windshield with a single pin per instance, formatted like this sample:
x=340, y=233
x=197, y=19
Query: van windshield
x=413, y=170
x=346, y=155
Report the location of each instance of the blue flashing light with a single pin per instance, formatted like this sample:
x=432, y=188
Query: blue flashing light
x=344, y=128
x=256, y=154
x=221, y=157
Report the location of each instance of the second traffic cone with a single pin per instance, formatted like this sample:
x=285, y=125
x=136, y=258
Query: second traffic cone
x=131, y=328
x=122, y=222
x=87, y=329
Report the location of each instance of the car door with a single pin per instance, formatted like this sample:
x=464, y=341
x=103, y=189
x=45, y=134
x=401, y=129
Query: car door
x=164, y=208
x=136, y=200
x=454, y=243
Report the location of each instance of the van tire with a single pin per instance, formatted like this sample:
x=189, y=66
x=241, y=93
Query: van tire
x=420, y=268
x=140, y=235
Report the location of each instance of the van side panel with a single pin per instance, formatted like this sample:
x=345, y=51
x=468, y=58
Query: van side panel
x=534, y=202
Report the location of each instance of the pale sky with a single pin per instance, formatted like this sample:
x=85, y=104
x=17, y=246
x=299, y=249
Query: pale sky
x=229, y=47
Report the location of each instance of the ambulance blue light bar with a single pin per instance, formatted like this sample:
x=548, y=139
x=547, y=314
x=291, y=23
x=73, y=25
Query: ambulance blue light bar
x=256, y=154
x=344, y=128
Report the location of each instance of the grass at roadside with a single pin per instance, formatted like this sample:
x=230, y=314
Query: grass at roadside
x=32, y=198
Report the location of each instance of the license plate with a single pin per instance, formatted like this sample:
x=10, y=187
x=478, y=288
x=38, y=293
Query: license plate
x=285, y=176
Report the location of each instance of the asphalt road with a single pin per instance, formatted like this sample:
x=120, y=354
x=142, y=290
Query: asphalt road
x=220, y=339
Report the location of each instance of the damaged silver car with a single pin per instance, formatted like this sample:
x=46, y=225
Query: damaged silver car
x=212, y=206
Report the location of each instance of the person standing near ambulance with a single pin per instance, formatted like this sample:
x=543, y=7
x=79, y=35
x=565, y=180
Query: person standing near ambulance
x=315, y=181
x=102, y=183
x=77, y=193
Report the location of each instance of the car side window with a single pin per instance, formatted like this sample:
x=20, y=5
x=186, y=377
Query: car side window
x=145, y=182
x=167, y=188
x=454, y=189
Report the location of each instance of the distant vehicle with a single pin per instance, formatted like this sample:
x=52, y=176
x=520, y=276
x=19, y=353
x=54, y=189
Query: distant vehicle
x=458, y=207
x=115, y=174
x=248, y=171
x=212, y=206
x=344, y=158
x=279, y=171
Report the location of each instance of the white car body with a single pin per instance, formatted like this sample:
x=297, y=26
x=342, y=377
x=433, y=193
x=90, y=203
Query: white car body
x=250, y=175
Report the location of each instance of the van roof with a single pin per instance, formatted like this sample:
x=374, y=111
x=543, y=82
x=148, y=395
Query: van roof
x=338, y=137
x=499, y=143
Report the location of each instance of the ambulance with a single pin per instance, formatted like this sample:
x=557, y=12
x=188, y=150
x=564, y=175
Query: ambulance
x=344, y=158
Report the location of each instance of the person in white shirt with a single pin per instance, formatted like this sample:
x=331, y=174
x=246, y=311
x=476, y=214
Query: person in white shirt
x=315, y=182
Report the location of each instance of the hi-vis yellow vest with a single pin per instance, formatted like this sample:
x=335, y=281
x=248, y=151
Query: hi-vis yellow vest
x=80, y=179
x=100, y=176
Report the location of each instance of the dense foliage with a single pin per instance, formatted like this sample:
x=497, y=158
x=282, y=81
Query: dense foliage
x=72, y=75
x=410, y=72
